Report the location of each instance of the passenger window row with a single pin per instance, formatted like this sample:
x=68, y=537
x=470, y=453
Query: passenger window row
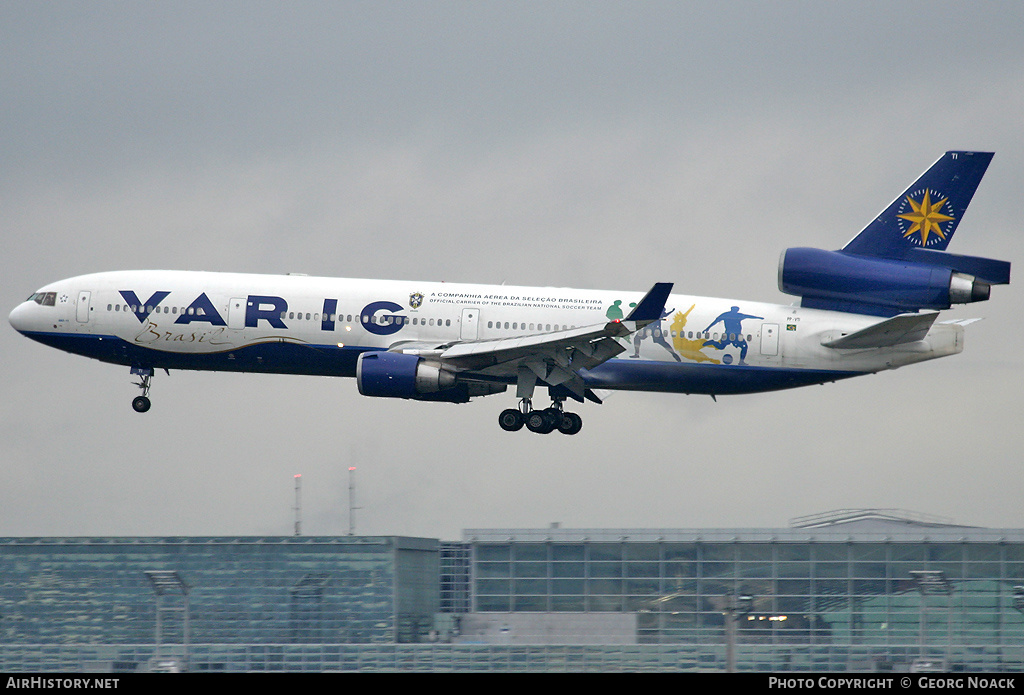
x=522, y=326
x=49, y=298
x=384, y=320
x=291, y=315
x=191, y=311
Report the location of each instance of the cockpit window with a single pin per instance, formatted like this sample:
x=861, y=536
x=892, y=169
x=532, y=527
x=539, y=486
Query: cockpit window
x=44, y=298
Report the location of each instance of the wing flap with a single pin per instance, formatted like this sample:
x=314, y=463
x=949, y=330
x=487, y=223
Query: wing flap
x=579, y=347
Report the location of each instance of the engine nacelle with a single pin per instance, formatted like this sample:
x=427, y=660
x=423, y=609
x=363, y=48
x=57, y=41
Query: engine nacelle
x=827, y=279
x=395, y=375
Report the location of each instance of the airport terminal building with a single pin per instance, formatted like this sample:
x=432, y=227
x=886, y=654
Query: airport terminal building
x=854, y=590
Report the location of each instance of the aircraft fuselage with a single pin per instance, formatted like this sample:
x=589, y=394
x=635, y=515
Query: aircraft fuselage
x=315, y=325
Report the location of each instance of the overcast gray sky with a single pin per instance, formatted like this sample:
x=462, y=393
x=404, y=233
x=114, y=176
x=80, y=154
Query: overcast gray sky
x=591, y=144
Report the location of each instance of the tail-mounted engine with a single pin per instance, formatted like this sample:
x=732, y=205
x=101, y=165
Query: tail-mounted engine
x=842, y=281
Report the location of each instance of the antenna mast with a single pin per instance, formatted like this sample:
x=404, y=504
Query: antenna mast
x=298, y=504
x=351, y=500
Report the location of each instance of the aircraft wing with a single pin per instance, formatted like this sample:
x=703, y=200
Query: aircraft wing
x=554, y=358
x=904, y=328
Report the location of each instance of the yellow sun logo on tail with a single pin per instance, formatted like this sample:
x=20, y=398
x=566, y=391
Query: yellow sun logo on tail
x=926, y=218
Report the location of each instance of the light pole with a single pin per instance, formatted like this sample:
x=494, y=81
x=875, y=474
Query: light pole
x=933, y=583
x=736, y=607
x=165, y=582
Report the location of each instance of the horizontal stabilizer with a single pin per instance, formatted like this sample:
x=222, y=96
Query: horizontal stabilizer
x=905, y=328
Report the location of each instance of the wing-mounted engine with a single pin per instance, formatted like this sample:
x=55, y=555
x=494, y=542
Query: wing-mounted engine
x=397, y=375
x=841, y=281
x=394, y=375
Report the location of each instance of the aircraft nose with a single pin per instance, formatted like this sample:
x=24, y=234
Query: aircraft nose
x=19, y=318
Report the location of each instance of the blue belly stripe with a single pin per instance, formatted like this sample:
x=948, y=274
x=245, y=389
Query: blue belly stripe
x=279, y=357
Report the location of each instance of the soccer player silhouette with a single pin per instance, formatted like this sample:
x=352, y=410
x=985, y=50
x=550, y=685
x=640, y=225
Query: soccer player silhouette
x=654, y=331
x=732, y=321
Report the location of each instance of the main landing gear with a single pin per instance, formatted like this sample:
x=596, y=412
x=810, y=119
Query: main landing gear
x=540, y=421
x=141, y=403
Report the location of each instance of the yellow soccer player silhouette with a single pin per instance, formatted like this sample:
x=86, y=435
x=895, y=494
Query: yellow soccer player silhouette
x=690, y=349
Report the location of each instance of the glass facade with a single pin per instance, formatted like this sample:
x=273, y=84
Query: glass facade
x=247, y=590
x=855, y=596
x=876, y=597
x=454, y=577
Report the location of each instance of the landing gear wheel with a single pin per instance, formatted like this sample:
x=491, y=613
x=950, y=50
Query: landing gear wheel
x=141, y=404
x=543, y=421
x=511, y=420
x=554, y=416
x=540, y=421
x=571, y=423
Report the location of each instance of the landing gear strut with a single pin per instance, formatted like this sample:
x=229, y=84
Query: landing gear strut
x=141, y=403
x=540, y=421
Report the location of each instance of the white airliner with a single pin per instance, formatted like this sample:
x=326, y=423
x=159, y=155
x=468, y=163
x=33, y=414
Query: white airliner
x=868, y=307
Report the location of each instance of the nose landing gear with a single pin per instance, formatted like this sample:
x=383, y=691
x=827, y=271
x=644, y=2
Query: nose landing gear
x=141, y=404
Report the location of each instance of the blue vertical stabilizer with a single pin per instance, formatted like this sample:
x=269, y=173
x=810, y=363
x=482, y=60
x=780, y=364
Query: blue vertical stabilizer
x=928, y=212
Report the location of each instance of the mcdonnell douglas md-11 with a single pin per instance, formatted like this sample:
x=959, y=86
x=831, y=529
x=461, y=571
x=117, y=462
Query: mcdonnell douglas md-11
x=870, y=306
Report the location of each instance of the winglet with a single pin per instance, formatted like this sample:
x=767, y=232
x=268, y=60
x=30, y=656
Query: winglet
x=651, y=307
